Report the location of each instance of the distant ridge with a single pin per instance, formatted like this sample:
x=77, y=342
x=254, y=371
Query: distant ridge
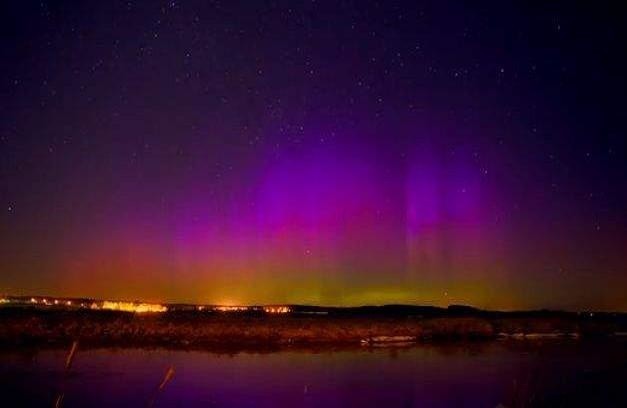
x=397, y=310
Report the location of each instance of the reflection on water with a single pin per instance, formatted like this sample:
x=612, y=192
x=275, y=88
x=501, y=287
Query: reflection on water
x=482, y=375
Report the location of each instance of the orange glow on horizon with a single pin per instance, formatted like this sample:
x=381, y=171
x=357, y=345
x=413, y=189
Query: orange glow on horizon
x=131, y=307
x=276, y=309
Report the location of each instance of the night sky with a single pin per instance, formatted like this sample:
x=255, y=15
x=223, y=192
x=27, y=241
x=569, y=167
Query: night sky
x=339, y=153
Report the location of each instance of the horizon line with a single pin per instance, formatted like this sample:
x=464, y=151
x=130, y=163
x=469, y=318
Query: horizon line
x=4, y=297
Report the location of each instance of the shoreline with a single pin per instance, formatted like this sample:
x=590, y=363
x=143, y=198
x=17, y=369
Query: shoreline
x=23, y=328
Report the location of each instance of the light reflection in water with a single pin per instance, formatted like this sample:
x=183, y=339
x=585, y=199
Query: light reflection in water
x=485, y=374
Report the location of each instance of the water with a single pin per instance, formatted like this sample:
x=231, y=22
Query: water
x=549, y=373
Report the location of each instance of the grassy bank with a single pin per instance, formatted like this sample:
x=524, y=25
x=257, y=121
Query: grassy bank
x=21, y=327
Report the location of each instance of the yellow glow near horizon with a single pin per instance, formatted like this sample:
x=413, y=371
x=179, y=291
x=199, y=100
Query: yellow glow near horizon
x=133, y=307
x=231, y=308
x=276, y=309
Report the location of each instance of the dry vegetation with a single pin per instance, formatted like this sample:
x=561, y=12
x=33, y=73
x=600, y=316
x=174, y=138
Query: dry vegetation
x=206, y=330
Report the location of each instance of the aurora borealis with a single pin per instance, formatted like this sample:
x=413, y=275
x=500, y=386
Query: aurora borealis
x=331, y=153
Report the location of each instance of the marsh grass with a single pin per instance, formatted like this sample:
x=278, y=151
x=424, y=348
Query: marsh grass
x=169, y=374
x=196, y=330
x=58, y=402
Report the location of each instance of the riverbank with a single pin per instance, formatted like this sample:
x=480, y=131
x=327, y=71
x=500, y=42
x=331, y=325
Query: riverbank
x=35, y=327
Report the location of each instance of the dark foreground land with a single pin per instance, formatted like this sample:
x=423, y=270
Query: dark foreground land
x=20, y=327
x=368, y=357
